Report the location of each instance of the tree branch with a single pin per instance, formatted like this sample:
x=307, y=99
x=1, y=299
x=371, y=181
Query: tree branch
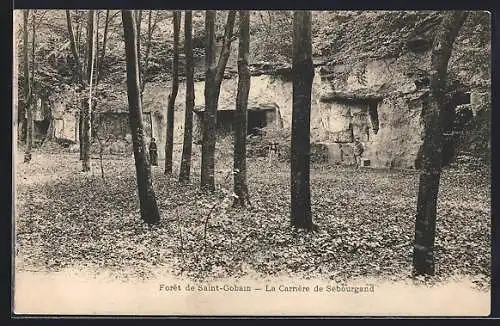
x=226, y=46
x=73, y=48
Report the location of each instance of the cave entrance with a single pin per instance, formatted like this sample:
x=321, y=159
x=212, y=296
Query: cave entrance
x=457, y=114
x=364, y=119
x=351, y=115
x=258, y=117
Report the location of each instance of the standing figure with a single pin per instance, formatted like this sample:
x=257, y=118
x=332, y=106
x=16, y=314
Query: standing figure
x=153, y=152
x=358, y=151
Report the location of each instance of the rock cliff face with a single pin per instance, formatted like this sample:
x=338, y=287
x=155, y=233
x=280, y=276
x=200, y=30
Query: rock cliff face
x=379, y=101
x=370, y=82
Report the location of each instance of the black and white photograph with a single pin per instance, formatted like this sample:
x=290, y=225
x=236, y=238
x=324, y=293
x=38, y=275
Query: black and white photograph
x=251, y=162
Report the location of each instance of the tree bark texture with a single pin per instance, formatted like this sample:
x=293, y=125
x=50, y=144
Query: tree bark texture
x=185, y=169
x=87, y=108
x=103, y=51
x=241, y=114
x=79, y=78
x=147, y=199
x=425, y=224
x=210, y=114
x=138, y=21
x=303, y=73
x=169, y=144
x=27, y=89
x=213, y=78
x=144, y=68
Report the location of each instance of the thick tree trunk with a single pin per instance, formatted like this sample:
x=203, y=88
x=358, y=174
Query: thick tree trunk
x=169, y=143
x=425, y=224
x=240, y=125
x=303, y=74
x=185, y=169
x=210, y=114
x=27, y=90
x=147, y=199
x=213, y=78
x=87, y=108
x=138, y=21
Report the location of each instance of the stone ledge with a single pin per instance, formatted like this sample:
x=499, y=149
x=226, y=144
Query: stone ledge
x=336, y=96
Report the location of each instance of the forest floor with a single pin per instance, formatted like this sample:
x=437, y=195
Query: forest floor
x=65, y=219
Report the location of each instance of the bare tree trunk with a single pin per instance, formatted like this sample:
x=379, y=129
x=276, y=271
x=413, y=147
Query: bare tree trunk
x=303, y=74
x=213, y=78
x=103, y=51
x=425, y=224
x=78, y=75
x=240, y=127
x=80, y=128
x=74, y=50
x=185, y=169
x=144, y=68
x=27, y=90
x=138, y=20
x=50, y=130
x=210, y=114
x=169, y=144
x=18, y=114
x=147, y=198
x=87, y=109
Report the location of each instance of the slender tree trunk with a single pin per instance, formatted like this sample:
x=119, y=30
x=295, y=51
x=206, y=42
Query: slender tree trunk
x=425, y=224
x=103, y=51
x=144, y=68
x=79, y=77
x=50, y=130
x=303, y=74
x=169, y=144
x=210, y=114
x=74, y=50
x=185, y=169
x=95, y=63
x=87, y=109
x=240, y=128
x=27, y=90
x=213, y=78
x=18, y=114
x=138, y=20
x=147, y=198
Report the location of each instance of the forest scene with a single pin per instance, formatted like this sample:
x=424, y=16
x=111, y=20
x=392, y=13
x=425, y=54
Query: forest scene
x=206, y=145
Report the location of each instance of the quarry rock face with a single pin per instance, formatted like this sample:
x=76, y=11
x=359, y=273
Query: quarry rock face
x=380, y=105
x=378, y=100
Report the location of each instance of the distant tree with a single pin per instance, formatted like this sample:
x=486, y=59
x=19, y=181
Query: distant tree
x=185, y=169
x=213, y=78
x=425, y=223
x=147, y=198
x=303, y=73
x=28, y=95
x=169, y=144
x=240, y=121
x=103, y=49
x=78, y=73
x=87, y=109
x=144, y=66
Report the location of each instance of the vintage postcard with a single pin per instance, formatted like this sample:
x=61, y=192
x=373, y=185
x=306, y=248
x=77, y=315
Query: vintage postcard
x=251, y=163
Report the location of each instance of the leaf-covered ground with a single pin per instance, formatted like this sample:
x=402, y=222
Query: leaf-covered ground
x=67, y=219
